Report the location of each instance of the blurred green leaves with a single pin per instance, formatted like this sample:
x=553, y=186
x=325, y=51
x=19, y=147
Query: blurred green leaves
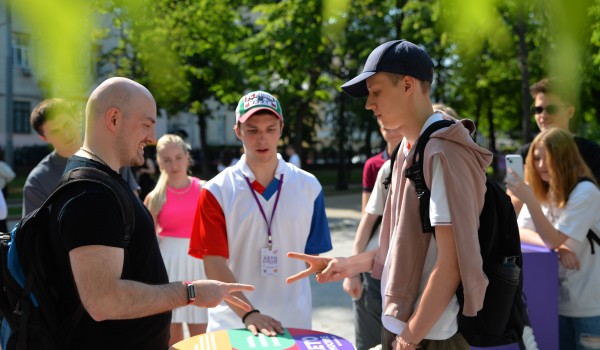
x=61, y=32
x=190, y=51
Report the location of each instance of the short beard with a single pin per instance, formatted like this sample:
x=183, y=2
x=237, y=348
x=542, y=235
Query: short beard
x=124, y=156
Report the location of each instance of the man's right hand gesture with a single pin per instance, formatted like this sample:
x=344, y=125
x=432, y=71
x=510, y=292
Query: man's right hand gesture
x=210, y=293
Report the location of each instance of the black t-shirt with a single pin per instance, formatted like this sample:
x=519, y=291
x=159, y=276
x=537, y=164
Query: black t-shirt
x=589, y=150
x=88, y=214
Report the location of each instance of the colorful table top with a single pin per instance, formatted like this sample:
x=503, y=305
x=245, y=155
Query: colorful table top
x=240, y=339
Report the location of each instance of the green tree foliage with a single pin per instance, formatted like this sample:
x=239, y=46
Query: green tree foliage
x=487, y=53
x=182, y=50
x=286, y=52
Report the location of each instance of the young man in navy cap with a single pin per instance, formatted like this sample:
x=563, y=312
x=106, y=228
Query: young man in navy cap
x=252, y=213
x=419, y=274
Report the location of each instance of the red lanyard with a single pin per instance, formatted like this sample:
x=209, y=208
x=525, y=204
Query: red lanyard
x=262, y=211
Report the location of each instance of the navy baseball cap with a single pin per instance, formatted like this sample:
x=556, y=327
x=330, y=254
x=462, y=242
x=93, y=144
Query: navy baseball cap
x=398, y=56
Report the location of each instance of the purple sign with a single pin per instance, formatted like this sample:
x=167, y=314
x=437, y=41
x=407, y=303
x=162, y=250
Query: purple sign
x=319, y=341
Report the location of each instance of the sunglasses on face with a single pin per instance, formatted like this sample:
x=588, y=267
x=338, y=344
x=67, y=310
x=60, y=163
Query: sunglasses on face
x=550, y=109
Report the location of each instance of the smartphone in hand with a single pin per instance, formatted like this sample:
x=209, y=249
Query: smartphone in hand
x=514, y=162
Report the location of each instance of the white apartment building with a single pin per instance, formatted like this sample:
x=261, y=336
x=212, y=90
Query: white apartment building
x=28, y=91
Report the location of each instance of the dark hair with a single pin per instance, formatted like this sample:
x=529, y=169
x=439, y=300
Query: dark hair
x=395, y=79
x=48, y=109
x=553, y=86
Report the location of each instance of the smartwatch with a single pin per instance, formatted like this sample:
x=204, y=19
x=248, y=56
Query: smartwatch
x=191, y=292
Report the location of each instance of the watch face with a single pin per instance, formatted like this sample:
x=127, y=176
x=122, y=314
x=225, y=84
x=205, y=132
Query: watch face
x=191, y=292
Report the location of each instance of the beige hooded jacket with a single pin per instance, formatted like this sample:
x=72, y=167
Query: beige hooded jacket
x=464, y=164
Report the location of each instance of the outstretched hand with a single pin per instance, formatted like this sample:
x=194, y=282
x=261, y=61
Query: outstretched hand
x=316, y=264
x=210, y=293
x=326, y=269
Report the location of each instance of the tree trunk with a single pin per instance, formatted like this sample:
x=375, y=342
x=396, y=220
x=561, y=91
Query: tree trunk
x=526, y=100
x=302, y=111
x=367, y=140
x=400, y=5
x=298, y=129
x=205, y=160
x=478, y=109
x=342, y=175
x=492, y=140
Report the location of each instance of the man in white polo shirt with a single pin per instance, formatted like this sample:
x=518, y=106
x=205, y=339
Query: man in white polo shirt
x=251, y=215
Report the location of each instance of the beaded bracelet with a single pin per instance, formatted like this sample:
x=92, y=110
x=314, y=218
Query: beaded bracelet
x=401, y=341
x=248, y=314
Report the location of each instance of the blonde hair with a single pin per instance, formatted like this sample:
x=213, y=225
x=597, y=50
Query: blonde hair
x=157, y=197
x=564, y=163
x=446, y=109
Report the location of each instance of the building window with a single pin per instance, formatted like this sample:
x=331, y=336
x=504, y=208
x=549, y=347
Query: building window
x=21, y=50
x=21, y=113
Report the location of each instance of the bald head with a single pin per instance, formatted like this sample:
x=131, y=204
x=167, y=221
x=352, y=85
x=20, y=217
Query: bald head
x=120, y=120
x=117, y=92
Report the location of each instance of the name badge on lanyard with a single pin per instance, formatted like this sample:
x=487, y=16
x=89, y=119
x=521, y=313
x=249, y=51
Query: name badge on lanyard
x=269, y=262
x=269, y=257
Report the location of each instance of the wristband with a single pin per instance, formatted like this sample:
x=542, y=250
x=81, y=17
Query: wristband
x=248, y=314
x=191, y=291
x=401, y=341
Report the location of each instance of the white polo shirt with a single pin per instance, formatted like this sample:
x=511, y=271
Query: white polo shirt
x=229, y=223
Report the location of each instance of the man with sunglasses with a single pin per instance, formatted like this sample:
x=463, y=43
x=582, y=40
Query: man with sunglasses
x=553, y=108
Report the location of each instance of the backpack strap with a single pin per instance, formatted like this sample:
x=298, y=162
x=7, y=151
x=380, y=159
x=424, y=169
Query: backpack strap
x=415, y=173
x=591, y=235
x=89, y=174
x=388, y=180
x=93, y=175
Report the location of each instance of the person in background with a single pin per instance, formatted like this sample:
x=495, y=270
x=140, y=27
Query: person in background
x=144, y=175
x=561, y=204
x=172, y=204
x=59, y=124
x=554, y=106
x=225, y=160
x=363, y=288
x=236, y=157
x=252, y=213
x=371, y=168
x=446, y=109
x=293, y=157
x=6, y=176
x=127, y=175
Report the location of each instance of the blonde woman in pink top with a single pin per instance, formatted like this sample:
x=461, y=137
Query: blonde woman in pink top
x=172, y=204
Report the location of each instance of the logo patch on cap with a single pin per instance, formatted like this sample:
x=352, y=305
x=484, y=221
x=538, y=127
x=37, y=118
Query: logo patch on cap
x=255, y=102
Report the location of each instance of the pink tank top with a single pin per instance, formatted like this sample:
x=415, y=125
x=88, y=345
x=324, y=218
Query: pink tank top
x=176, y=217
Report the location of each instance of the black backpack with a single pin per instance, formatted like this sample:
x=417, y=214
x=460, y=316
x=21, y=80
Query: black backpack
x=29, y=295
x=502, y=319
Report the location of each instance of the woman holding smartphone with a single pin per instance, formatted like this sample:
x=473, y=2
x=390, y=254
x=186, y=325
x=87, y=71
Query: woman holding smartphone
x=561, y=204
